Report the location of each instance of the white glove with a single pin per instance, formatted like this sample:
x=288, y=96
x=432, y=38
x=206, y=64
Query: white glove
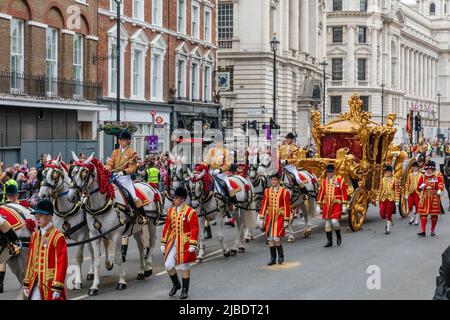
x=191, y=249
x=216, y=171
x=120, y=173
x=345, y=208
x=422, y=186
x=163, y=249
x=26, y=292
x=283, y=162
x=439, y=193
x=397, y=203
x=260, y=223
x=56, y=295
x=286, y=224
x=318, y=209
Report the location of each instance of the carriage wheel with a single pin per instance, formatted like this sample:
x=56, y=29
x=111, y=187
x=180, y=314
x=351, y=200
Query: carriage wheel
x=358, y=209
x=403, y=203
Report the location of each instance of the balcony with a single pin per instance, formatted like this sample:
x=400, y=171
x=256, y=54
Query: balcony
x=40, y=86
x=363, y=83
x=336, y=83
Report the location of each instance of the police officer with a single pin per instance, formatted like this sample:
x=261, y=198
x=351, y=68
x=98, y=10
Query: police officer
x=152, y=175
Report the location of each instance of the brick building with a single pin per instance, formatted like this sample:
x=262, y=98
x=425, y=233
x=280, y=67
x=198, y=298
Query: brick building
x=168, y=62
x=48, y=85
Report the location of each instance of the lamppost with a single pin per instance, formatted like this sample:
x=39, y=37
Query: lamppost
x=118, y=4
x=274, y=45
x=439, y=114
x=382, y=103
x=324, y=63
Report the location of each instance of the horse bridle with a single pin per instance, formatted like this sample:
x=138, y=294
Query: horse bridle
x=85, y=174
x=56, y=175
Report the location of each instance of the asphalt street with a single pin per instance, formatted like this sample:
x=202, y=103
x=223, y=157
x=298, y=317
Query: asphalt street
x=404, y=266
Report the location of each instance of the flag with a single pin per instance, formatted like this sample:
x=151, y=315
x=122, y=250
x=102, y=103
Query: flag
x=409, y=123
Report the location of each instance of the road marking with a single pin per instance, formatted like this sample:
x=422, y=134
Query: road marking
x=286, y=265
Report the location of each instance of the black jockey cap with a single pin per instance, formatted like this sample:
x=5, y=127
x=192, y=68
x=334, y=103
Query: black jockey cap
x=290, y=135
x=430, y=165
x=330, y=167
x=11, y=190
x=125, y=135
x=415, y=164
x=44, y=207
x=275, y=175
x=388, y=168
x=181, y=192
x=421, y=158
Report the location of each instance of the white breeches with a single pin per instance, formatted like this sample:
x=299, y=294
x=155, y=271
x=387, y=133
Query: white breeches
x=127, y=183
x=274, y=239
x=331, y=223
x=2, y=220
x=35, y=293
x=292, y=169
x=171, y=262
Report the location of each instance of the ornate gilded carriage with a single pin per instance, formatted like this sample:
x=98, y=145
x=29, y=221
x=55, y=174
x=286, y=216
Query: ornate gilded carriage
x=360, y=149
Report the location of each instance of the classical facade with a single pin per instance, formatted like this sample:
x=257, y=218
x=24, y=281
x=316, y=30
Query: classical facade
x=245, y=61
x=395, y=55
x=48, y=85
x=167, y=64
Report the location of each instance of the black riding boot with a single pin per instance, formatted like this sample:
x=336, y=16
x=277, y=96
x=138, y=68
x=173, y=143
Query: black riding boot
x=208, y=233
x=234, y=203
x=2, y=278
x=176, y=285
x=184, y=291
x=338, y=236
x=273, y=256
x=280, y=254
x=329, y=239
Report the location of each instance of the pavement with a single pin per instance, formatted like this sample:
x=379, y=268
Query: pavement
x=368, y=265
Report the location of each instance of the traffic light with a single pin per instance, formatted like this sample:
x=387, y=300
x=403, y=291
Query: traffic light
x=244, y=126
x=273, y=125
x=253, y=125
x=418, y=123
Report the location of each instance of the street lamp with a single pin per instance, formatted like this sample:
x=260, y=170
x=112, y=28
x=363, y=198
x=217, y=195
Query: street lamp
x=439, y=115
x=118, y=4
x=324, y=63
x=274, y=46
x=382, y=103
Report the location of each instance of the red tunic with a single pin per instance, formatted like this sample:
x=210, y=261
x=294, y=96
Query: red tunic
x=47, y=263
x=181, y=229
x=275, y=210
x=332, y=195
x=430, y=203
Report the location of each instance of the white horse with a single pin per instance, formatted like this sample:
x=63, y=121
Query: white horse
x=212, y=205
x=110, y=216
x=303, y=197
x=69, y=218
x=18, y=263
x=178, y=177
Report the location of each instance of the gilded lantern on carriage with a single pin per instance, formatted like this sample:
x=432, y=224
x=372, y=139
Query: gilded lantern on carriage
x=360, y=149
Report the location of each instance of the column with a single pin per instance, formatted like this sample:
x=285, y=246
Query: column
x=350, y=66
x=304, y=27
x=430, y=84
x=313, y=28
x=388, y=59
x=373, y=59
x=399, y=68
x=293, y=24
x=416, y=68
x=407, y=69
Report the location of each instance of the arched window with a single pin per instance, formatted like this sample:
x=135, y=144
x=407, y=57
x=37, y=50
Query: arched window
x=432, y=9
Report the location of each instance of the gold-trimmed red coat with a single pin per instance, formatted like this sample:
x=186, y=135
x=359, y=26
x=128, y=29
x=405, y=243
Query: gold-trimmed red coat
x=181, y=229
x=275, y=210
x=430, y=202
x=389, y=190
x=47, y=263
x=332, y=195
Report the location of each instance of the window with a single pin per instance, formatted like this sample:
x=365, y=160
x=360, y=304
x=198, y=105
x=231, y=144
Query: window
x=337, y=5
x=336, y=104
x=51, y=61
x=16, y=55
x=113, y=70
x=207, y=23
x=362, y=69
x=362, y=5
x=365, y=105
x=138, y=71
x=207, y=83
x=337, y=34
x=157, y=77
x=181, y=78
x=181, y=13
x=157, y=12
x=77, y=67
x=194, y=80
x=138, y=9
x=432, y=9
x=195, y=23
x=362, y=34
x=225, y=21
x=336, y=69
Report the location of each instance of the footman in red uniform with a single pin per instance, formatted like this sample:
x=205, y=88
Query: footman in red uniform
x=332, y=200
x=47, y=258
x=274, y=217
x=388, y=197
x=179, y=241
x=430, y=188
